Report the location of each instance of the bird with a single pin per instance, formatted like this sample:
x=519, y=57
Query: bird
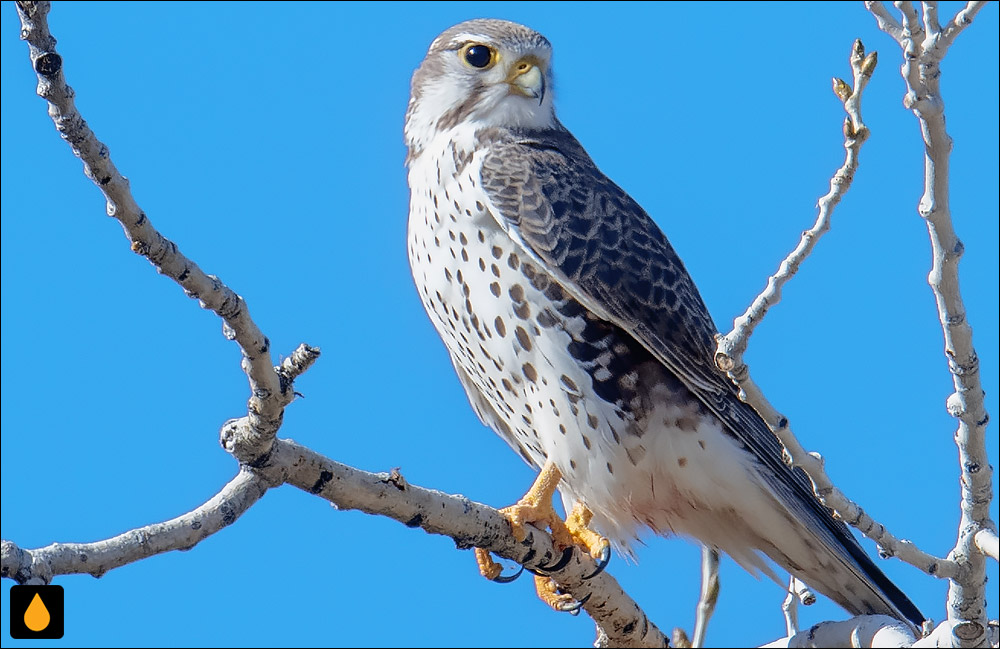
x=582, y=341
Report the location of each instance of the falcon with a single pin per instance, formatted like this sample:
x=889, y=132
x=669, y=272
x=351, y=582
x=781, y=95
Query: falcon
x=582, y=341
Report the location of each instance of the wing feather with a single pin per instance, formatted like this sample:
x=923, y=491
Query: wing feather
x=548, y=195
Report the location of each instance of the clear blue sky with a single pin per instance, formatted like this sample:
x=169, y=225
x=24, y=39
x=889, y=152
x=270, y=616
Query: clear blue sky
x=266, y=140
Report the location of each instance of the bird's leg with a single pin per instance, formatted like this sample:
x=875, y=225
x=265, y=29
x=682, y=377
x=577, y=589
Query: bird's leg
x=536, y=507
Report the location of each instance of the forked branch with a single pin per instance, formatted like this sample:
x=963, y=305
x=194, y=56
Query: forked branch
x=731, y=347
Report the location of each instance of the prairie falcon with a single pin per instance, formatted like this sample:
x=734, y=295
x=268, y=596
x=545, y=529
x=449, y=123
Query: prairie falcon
x=581, y=339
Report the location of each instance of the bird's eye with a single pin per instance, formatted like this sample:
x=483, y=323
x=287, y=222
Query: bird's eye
x=478, y=56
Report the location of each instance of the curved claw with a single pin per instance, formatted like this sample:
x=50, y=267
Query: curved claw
x=574, y=608
x=560, y=564
x=602, y=561
x=506, y=579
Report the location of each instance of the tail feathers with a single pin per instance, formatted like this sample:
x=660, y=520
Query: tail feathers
x=891, y=600
x=852, y=581
x=839, y=568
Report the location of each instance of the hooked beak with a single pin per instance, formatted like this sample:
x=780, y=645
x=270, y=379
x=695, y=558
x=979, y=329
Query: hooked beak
x=526, y=78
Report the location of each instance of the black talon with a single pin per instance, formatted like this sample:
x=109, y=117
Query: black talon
x=558, y=565
x=574, y=608
x=501, y=579
x=602, y=562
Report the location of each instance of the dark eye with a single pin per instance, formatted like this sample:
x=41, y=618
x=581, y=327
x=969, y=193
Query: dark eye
x=478, y=56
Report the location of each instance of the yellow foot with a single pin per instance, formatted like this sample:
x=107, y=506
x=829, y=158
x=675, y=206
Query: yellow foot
x=550, y=593
x=586, y=538
x=535, y=508
x=487, y=566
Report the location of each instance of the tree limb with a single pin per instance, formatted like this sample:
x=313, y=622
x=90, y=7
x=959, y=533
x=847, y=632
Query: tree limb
x=860, y=631
x=268, y=398
x=986, y=541
x=875, y=631
x=959, y=22
x=469, y=523
x=731, y=347
x=923, y=53
x=39, y=566
x=709, y=595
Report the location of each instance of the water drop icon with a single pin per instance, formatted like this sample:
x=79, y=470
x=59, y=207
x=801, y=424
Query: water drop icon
x=37, y=617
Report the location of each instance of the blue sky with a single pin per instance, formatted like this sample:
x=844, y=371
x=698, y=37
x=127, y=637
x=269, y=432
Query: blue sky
x=266, y=140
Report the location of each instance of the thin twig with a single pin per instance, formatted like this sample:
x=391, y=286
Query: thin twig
x=732, y=346
x=729, y=355
x=790, y=609
x=709, y=594
x=268, y=399
x=931, y=23
x=802, y=592
x=911, y=21
x=798, y=593
x=955, y=26
x=986, y=541
x=886, y=21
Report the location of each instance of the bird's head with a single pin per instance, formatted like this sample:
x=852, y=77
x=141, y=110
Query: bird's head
x=479, y=74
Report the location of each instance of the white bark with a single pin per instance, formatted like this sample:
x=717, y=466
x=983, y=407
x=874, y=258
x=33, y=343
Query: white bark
x=924, y=46
x=268, y=398
x=709, y=595
x=39, y=566
x=874, y=631
x=860, y=631
x=729, y=355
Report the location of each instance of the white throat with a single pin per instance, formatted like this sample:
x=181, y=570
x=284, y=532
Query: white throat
x=496, y=108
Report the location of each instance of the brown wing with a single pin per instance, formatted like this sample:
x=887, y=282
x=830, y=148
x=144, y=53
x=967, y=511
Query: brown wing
x=608, y=253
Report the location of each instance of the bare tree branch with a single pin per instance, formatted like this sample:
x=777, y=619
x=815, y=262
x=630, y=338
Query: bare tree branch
x=875, y=631
x=182, y=533
x=912, y=28
x=931, y=23
x=961, y=20
x=798, y=593
x=860, y=631
x=709, y=594
x=732, y=346
x=921, y=71
x=729, y=355
x=268, y=398
x=886, y=21
x=986, y=541
x=470, y=524
x=790, y=609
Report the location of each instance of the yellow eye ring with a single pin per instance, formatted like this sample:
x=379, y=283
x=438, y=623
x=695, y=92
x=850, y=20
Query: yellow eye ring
x=477, y=55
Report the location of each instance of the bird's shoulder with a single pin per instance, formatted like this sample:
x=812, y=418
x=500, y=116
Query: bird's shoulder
x=602, y=246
